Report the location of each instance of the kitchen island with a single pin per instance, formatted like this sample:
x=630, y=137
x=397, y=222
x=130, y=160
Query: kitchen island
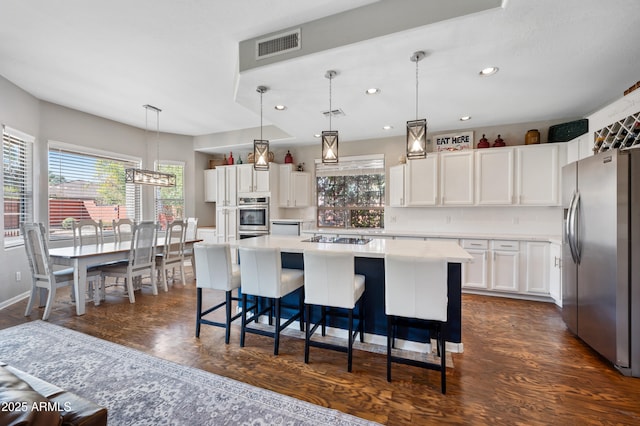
x=369, y=261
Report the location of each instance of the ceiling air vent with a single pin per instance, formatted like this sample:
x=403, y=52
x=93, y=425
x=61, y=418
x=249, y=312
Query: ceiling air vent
x=278, y=44
x=334, y=113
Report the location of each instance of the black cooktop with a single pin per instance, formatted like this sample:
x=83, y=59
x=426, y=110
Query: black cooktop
x=337, y=240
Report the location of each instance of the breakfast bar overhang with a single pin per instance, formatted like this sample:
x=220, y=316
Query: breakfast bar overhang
x=369, y=261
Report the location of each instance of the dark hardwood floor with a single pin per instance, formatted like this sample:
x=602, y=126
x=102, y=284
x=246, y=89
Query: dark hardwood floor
x=520, y=364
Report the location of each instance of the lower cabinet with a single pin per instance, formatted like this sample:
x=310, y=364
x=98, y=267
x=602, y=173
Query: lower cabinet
x=509, y=267
x=555, y=273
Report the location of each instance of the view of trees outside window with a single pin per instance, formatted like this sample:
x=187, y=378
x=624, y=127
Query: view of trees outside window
x=85, y=186
x=17, y=167
x=170, y=200
x=351, y=195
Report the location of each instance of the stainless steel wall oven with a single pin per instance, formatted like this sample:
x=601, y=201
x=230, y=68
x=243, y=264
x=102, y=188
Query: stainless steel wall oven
x=253, y=216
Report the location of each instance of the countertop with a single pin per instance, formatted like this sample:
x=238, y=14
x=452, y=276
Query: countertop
x=376, y=248
x=373, y=233
x=291, y=220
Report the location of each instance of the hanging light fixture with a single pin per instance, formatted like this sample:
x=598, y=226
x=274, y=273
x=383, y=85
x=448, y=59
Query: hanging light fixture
x=417, y=129
x=151, y=177
x=330, y=137
x=261, y=146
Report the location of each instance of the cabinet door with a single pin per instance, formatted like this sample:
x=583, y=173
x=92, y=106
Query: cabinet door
x=474, y=273
x=226, y=185
x=396, y=186
x=221, y=225
x=504, y=270
x=537, y=274
x=245, y=178
x=261, y=180
x=494, y=176
x=456, y=178
x=537, y=172
x=300, y=189
x=284, y=186
x=421, y=181
x=555, y=273
x=210, y=185
x=221, y=187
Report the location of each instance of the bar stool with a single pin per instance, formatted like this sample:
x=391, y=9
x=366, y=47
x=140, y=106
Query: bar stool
x=216, y=271
x=264, y=277
x=416, y=288
x=330, y=282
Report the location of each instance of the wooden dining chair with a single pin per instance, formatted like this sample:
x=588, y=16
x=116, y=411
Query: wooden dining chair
x=87, y=231
x=141, y=261
x=171, y=256
x=191, y=233
x=44, y=277
x=122, y=229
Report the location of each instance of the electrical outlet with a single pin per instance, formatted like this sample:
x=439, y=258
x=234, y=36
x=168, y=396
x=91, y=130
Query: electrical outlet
x=18, y=276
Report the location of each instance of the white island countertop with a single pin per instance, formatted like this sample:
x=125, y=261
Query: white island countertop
x=376, y=248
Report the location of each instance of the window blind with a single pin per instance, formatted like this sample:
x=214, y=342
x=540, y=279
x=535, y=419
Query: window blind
x=88, y=186
x=17, y=174
x=169, y=201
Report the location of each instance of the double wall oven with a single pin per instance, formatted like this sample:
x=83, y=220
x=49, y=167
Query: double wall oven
x=253, y=216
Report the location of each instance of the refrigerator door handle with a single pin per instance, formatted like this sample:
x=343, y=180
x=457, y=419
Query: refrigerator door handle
x=569, y=229
x=576, y=228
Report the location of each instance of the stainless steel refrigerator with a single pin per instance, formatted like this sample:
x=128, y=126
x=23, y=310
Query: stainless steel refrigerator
x=601, y=255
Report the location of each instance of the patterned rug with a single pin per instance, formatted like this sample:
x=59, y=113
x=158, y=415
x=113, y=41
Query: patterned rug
x=139, y=389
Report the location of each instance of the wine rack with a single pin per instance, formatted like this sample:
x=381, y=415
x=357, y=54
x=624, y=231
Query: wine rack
x=623, y=134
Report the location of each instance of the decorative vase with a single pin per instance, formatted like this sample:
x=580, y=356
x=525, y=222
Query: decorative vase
x=483, y=143
x=288, y=158
x=499, y=142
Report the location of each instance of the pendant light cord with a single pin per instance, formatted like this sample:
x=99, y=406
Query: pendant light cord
x=330, y=111
x=261, y=92
x=417, y=89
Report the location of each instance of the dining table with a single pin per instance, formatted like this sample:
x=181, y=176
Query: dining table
x=80, y=257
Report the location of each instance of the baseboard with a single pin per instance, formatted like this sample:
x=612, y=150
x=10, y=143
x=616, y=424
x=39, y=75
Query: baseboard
x=15, y=299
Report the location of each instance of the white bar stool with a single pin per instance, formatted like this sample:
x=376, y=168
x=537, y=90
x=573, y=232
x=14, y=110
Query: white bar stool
x=330, y=282
x=416, y=288
x=216, y=271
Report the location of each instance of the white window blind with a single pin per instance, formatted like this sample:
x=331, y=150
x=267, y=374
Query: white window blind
x=169, y=201
x=85, y=185
x=17, y=174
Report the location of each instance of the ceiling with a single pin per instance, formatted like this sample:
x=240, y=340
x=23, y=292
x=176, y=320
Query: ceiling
x=557, y=59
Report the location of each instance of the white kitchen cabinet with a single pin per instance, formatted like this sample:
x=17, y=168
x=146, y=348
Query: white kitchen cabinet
x=555, y=273
x=494, y=176
x=207, y=235
x=538, y=174
x=396, y=185
x=475, y=273
x=251, y=180
x=210, y=186
x=226, y=224
x=226, y=186
x=421, y=181
x=579, y=148
x=294, y=187
x=456, y=178
x=505, y=260
x=537, y=268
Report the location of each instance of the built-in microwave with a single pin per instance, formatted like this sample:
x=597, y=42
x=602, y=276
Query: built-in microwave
x=253, y=215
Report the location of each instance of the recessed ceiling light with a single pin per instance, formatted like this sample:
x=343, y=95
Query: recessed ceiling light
x=317, y=135
x=280, y=107
x=465, y=118
x=372, y=91
x=489, y=71
x=387, y=127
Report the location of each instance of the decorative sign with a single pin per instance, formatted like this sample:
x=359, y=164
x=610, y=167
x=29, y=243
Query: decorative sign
x=453, y=141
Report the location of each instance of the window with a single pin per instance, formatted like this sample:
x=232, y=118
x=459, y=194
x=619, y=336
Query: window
x=169, y=201
x=351, y=193
x=17, y=175
x=88, y=185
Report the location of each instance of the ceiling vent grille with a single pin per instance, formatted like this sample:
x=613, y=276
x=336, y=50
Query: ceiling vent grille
x=278, y=44
x=334, y=113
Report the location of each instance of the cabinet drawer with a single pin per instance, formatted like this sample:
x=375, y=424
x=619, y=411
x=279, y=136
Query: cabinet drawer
x=475, y=244
x=506, y=245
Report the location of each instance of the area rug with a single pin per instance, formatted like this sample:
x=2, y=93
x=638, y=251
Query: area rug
x=139, y=389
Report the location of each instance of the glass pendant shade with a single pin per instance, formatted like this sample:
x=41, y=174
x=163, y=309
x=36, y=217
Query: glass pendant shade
x=416, y=139
x=330, y=146
x=260, y=154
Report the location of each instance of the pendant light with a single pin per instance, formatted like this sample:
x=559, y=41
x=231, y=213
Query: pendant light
x=417, y=129
x=330, y=137
x=151, y=177
x=261, y=146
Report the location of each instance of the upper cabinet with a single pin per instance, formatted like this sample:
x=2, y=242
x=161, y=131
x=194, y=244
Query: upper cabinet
x=250, y=180
x=294, y=187
x=456, y=178
x=538, y=175
x=226, y=186
x=494, y=176
x=396, y=185
x=421, y=181
x=210, y=185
